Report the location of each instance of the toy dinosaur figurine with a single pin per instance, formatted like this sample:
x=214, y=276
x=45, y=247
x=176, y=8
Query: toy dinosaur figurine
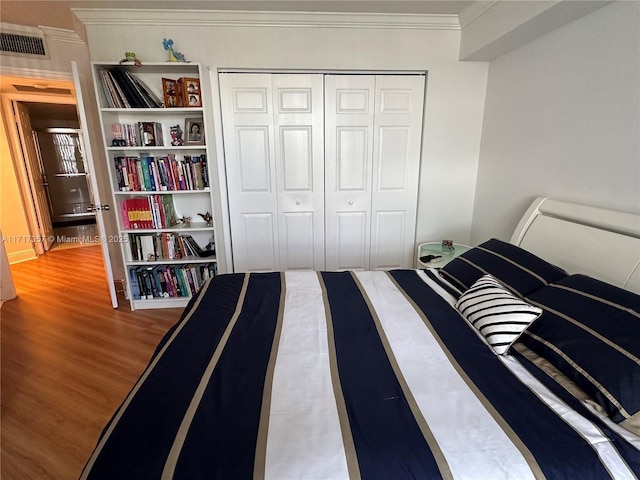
x=173, y=55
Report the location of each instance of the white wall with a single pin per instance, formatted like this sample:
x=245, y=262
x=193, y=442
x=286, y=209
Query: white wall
x=454, y=97
x=562, y=119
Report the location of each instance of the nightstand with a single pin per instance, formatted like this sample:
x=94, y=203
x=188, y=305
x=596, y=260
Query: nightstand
x=435, y=248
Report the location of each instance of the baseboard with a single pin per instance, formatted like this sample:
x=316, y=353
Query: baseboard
x=21, y=256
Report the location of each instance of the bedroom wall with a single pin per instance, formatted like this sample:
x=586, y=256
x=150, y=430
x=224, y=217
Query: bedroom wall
x=454, y=97
x=562, y=119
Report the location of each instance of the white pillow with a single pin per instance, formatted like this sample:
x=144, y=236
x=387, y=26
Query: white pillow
x=496, y=313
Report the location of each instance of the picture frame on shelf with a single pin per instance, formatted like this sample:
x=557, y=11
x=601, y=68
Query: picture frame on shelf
x=170, y=93
x=194, y=131
x=191, y=92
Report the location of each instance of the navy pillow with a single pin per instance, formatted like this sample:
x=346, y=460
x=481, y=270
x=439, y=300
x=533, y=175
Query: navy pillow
x=590, y=331
x=520, y=271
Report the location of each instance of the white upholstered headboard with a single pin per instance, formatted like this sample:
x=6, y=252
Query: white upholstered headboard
x=601, y=243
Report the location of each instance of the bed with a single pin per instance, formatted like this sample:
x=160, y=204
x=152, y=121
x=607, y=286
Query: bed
x=507, y=363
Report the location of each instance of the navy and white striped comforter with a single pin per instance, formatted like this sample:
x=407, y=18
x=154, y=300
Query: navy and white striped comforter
x=372, y=375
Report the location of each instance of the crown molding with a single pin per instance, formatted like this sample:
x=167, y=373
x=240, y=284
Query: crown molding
x=473, y=11
x=227, y=18
x=61, y=35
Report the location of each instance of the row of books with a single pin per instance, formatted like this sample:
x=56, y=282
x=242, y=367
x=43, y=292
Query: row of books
x=156, y=174
x=153, y=211
x=169, y=281
x=140, y=134
x=122, y=89
x=166, y=246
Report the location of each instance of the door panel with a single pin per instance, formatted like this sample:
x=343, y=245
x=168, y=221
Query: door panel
x=249, y=154
x=387, y=242
x=253, y=159
x=396, y=165
x=37, y=180
x=393, y=159
x=352, y=158
x=349, y=103
x=298, y=233
x=299, y=160
x=351, y=234
x=255, y=239
x=275, y=165
x=92, y=183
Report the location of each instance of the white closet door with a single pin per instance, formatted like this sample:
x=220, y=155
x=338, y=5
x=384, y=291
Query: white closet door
x=274, y=153
x=299, y=159
x=397, y=136
x=349, y=109
x=247, y=118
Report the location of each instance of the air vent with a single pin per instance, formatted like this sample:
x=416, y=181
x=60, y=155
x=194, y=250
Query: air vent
x=13, y=43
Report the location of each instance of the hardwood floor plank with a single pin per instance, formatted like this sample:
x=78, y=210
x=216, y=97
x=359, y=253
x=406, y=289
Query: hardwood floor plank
x=67, y=361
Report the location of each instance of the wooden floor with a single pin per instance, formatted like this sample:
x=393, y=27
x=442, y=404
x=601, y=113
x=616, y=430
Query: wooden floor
x=68, y=359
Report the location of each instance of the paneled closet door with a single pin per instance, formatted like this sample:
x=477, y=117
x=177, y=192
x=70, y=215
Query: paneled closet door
x=247, y=118
x=399, y=101
x=273, y=130
x=373, y=128
x=299, y=159
x=349, y=113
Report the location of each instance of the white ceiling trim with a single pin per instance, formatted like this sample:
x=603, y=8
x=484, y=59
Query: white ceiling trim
x=219, y=18
x=473, y=11
x=61, y=35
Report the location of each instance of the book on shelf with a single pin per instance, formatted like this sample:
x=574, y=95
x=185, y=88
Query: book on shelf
x=158, y=174
x=128, y=132
x=164, y=246
x=151, y=134
x=169, y=281
x=150, y=212
x=140, y=134
x=122, y=89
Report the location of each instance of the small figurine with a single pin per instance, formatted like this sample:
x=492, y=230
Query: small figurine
x=207, y=218
x=173, y=55
x=130, y=57
x=176, y=135
x=185, y=220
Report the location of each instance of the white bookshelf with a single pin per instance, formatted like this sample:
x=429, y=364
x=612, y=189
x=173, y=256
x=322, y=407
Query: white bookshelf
x=195, y=199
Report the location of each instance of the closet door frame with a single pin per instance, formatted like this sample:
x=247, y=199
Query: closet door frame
x=375, y=261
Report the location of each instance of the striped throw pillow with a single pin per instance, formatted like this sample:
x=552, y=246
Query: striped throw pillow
x=496, y=313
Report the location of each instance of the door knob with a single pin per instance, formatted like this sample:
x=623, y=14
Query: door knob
x=297, y=202
x=350, y=202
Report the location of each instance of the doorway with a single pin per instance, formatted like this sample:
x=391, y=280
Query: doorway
x=51, y=104
x=61, y=157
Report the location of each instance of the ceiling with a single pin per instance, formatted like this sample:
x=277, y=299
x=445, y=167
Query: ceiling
x=57, y=13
